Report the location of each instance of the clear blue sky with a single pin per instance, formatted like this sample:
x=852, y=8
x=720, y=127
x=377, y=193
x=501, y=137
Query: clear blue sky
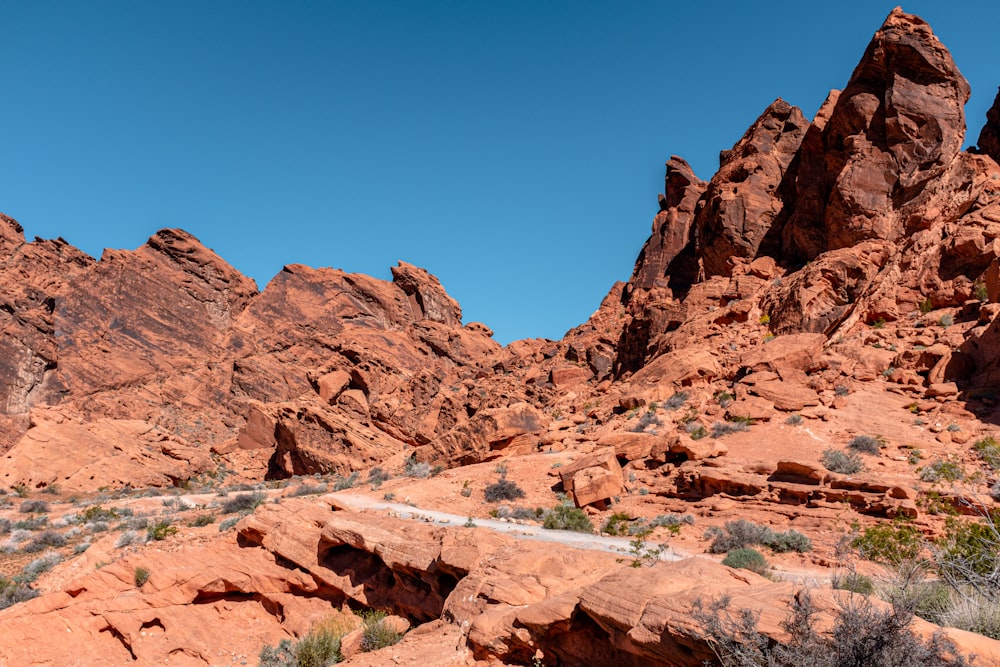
x=515, y=149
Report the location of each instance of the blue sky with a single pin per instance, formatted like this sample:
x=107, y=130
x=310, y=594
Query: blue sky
x=514, y=149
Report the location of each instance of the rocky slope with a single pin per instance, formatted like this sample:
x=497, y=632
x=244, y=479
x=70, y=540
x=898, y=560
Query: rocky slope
x=836, y=277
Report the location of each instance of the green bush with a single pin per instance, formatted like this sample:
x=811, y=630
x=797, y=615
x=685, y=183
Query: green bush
x=348, y=482
x=853, y=582
x=161, y=530
x=942, y=470
x=141, y=576
x=566, y=517
x=319, y=648
x=617, y=524
x=202, y=520
x=746, y=559
x=889, y=543
x=98, y=513
x=377, y=634
x=846, y=463
x=989, y=451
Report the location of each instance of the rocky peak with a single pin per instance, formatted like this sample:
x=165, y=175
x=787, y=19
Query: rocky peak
x=745, y=197
x=898, y=124
x=989, y=137
x=427, y=296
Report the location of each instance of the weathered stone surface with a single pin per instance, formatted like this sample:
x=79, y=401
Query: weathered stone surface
x=594, y=478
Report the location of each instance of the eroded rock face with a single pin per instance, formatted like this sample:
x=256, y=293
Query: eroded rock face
x=989, y=137
x=171, y=337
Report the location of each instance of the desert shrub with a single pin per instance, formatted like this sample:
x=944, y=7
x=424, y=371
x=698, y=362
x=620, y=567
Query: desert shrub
x=38, y=566
x=742, y=533
x=846, y=463
x=141, y=576
x=32, y=523
x=243, y=503
x=376, y=476
x=202, y=520
x=226, y=524
x=969, y=553
x=841, y=390
x=989, y=451
x=34, y=506
x=418, y=470
x=790, y=540
x=974, y=613
x=645, y=421
x=746, y=559
x=889, y=543
x=348, y=482
x=80, y=548
x=695, y=430
x=676, y=401
x=307, y=489
x=566, y=517
x=5, y=526
x=130, y=537
x=98, y=513
x=377, y=634
x=794, y=420
x=720, y=429
x=853, y=582
x=319, y=648
x=942, y=470
x=618, y=523
x=502, y=489
x=12, y=592
x=862, y=635
x=724, y=398
x=866, y=444
x=160, y=530
x=44, y=540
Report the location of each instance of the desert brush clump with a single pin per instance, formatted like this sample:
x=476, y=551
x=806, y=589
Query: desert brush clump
x=746, y=558
x=863, y=634
x=320, y=647
x=867, y=444
x=503, y=489
x=845, y=463
x=565, y=516
x=243, y=503
x=742, y=533
x=377, y=633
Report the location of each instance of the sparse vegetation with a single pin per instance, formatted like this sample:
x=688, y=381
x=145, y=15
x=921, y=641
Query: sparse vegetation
x=889, y=543
x=34, y=506
x=319, y=648
x=794, y=420
x=48, y=539
x=867, y=444
x=989, y=451
x=376, y=476
x=243, y=503
x=141, y=576
x=160, y=530
x=942, y=470
x=676, y=401
x=863, y=634
x=742, y=533
x=746, y=558
x=377, y=633
x=854, y=582
x=565, y=516
x=348, y=482
x=846, y=463
x=417, y=470
x=720, y=429
x=502, y=489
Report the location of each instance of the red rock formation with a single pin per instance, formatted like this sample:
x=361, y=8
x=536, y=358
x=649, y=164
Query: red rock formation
x=989, y=137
